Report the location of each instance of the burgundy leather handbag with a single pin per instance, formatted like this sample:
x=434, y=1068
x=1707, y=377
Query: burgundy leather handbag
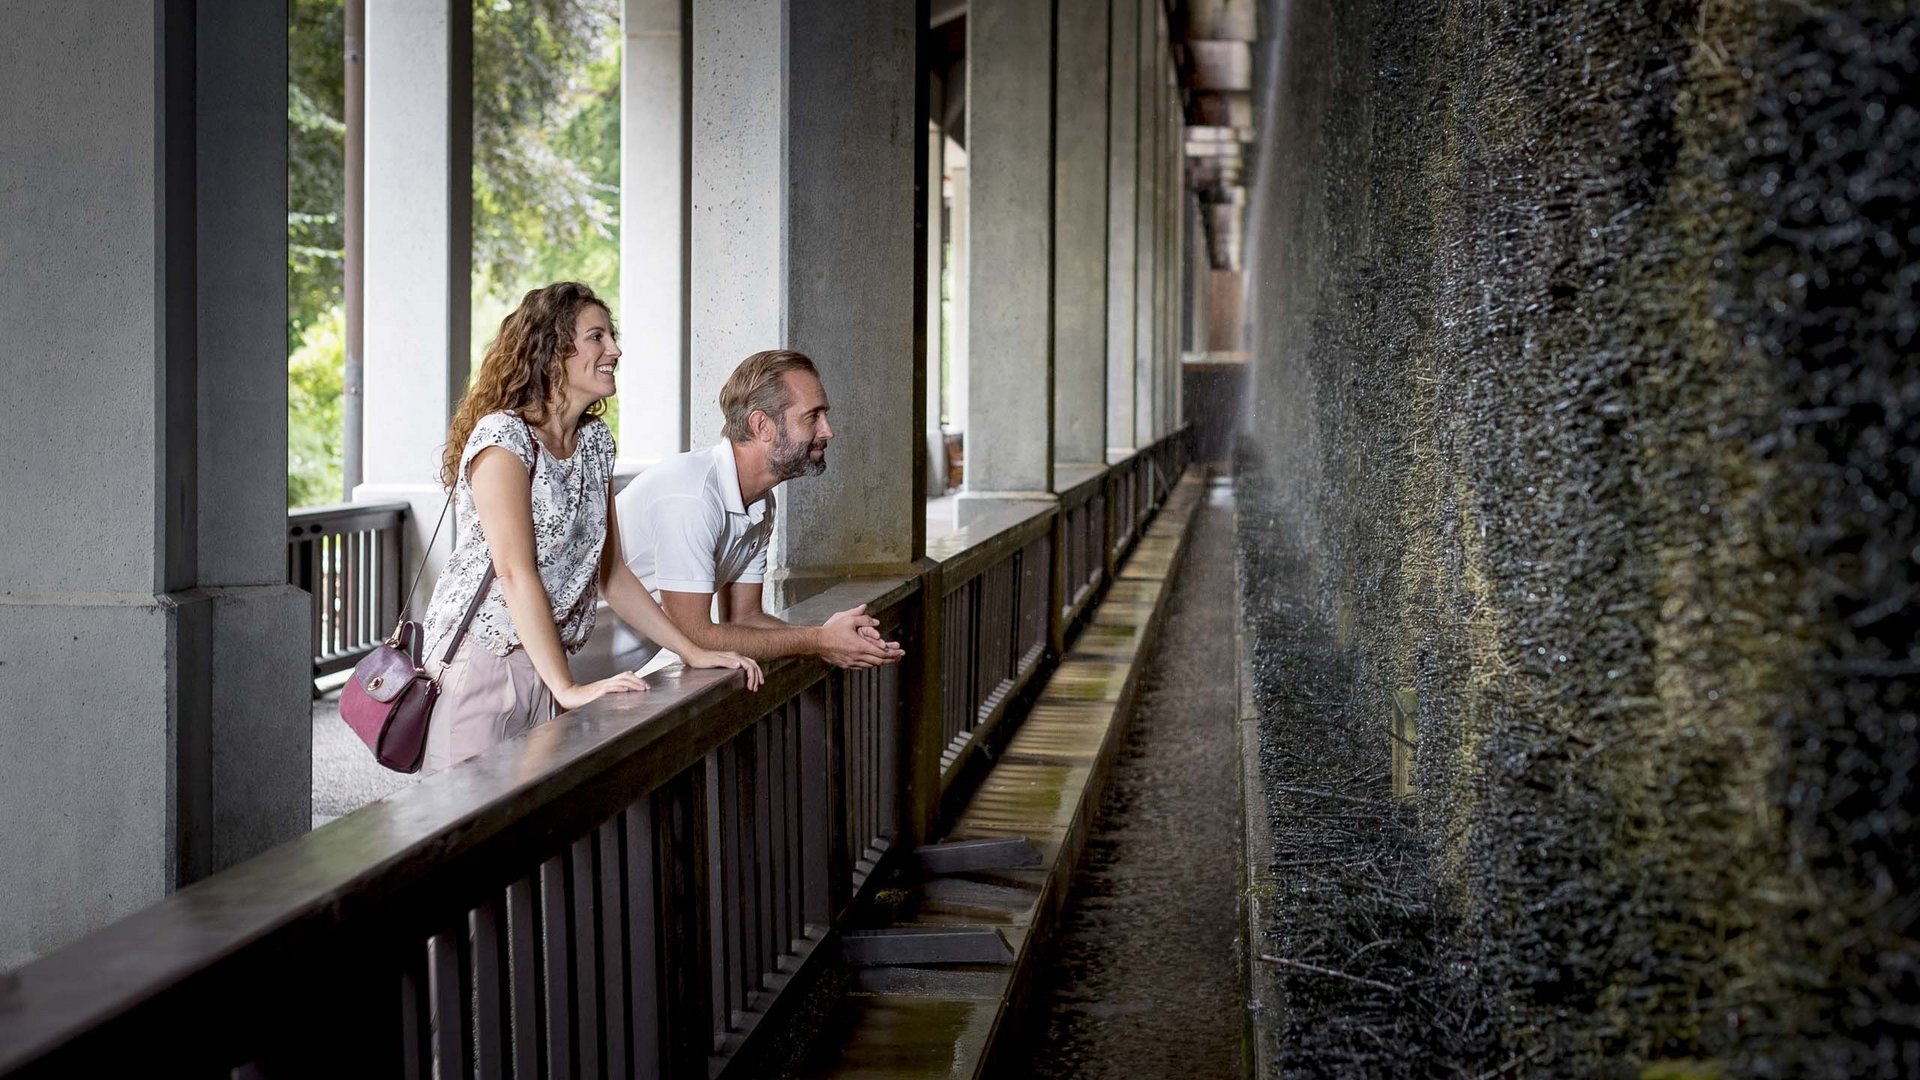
x=389, y=700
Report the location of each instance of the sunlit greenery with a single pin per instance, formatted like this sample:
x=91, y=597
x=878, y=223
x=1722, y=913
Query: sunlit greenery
x=546, y=167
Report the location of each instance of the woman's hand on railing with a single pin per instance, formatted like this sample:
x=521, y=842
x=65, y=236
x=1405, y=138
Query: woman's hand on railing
x=572, y=697
x=705, y=658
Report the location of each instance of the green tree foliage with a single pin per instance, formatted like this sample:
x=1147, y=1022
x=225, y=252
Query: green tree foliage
x=546, y=138
x=314, y=412
x=316, y=158
x=546, y=170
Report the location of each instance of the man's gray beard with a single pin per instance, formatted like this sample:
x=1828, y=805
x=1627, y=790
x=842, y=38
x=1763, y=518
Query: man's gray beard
x=790, y=458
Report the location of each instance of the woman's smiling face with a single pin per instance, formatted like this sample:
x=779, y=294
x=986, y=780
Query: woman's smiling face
x=596, y=355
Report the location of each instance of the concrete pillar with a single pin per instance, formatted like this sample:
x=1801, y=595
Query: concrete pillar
x=1010, y=233
x=735, y=205
x=960, y=341
x=1123, y=196
x=1151, y=101
x=1080, y=233
x=154, y=720
x=653, y=210
x=808, y=124
x=1173, y=262
x=419, y=256
x=1193, y=297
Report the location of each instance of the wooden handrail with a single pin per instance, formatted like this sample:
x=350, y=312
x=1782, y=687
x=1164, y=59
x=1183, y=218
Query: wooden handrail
x=305, y=946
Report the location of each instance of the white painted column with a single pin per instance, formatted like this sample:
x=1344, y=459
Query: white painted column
x=653, y=371
x=1080, y=233
x=154, y=706
x=1010, y=232
x=959, y=369
x=419, y=255
x=807, y=120
x=936, y=167
x=1123, y=157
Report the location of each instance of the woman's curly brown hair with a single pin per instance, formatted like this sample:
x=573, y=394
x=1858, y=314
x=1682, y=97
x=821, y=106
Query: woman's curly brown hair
x=523, y=367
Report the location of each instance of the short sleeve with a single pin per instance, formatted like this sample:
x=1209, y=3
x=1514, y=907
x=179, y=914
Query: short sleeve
x=756, y=571
x=604, y=445
x=498, y=429
x=683, y=538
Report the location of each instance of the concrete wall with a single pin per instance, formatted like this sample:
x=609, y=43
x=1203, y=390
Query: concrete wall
x=153, y=662
x=1584, y=447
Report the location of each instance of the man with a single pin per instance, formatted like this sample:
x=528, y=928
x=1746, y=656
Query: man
x=696, y=526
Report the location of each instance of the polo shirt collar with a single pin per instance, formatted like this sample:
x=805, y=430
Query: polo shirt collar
x=730, y=479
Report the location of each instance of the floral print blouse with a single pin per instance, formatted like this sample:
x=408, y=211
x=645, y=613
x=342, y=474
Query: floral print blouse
x=569, y=530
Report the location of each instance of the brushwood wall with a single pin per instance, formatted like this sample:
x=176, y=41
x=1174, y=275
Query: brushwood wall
x=1586, y=415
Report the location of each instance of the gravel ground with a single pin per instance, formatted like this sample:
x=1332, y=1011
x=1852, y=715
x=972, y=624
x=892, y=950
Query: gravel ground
x=1143, y=980
x=345, y=776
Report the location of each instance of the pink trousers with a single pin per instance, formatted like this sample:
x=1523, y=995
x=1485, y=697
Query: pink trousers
x=484, y=699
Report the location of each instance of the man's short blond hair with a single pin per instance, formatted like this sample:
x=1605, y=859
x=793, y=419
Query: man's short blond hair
x=759, y=384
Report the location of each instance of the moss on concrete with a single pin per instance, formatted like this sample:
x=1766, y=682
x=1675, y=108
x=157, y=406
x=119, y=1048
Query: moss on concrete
x=1586, y=411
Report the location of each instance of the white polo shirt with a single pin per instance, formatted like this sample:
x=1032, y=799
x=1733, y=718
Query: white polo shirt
x=685, y=528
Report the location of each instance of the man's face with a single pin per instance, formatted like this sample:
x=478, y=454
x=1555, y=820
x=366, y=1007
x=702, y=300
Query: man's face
x=801, y=435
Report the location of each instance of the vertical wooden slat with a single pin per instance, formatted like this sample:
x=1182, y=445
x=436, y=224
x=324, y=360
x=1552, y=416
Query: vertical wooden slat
x=490, y=1025
x=586, y=957
x=780, y=767
x=355, y=633
x=892, y=760
x=778, y=824
x=416, y=1015
x=766, y=917
x=683, y=813
x=849, y=818
x=796, y=818
x=816, y=773
x=336, y=637
x=448, y=994
x=753, y=956
x=643, y=952
x=523, y=976
x=725, y=877
x=391, y=575
x=615, y=1020
x=870, y=755
x=317, y=592
x=556, y=966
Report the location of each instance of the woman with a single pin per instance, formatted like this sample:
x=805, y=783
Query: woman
x=531, y=466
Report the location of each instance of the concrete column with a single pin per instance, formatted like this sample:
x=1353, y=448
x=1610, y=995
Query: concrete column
x=154, y=719
x=736, y=211
x=419, y=256
x=1010, y=232
x=1152, y=44
x=959, y=371
x=1173, y=262
x=809, y=123
x=1123, y=196
x=1193, y=296
x=1080, y=233
x=653, y=210
x=1169, y=264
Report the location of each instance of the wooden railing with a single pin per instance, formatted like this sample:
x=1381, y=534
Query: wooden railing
x=634, y=889
x=347, y=558
x=1083, y=544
